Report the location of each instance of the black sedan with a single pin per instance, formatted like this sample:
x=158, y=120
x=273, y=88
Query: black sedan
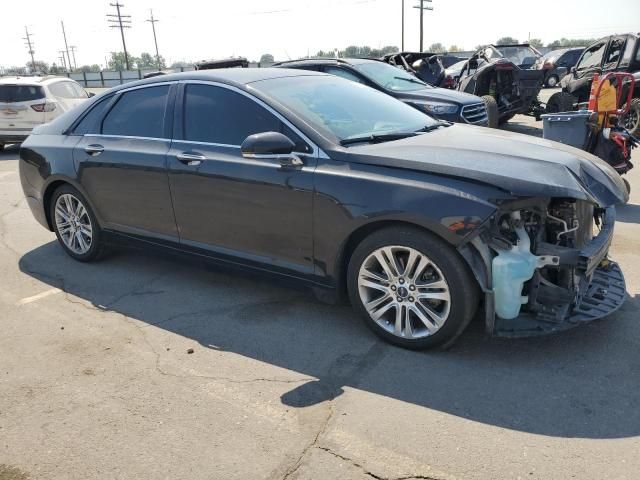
x=442, y=103
x=340, y=187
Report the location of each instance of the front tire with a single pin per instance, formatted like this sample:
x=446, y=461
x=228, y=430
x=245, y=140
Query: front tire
x=561, y=102
x=492, y=110
x=411, y=288
x=75, y=224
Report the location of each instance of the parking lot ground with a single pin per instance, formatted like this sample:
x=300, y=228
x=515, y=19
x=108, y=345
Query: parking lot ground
x=97, y=382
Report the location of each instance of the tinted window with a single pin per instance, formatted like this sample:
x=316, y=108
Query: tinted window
x=219, y=115
x=20, y=93
x=592, y=56
x=341, y=72
x=341, y=109
x=138, y=113
x=89, y=124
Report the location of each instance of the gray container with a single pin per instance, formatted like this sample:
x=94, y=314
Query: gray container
x=570, y=128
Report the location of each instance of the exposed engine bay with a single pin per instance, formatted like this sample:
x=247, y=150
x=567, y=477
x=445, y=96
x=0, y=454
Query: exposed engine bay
x=549, y=268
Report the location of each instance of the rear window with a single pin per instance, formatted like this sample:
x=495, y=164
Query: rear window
x=20, y=93
x=138, y=113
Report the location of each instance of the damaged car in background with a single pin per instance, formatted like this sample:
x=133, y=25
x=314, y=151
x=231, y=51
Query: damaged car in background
x=340, y=187
x=504, y=76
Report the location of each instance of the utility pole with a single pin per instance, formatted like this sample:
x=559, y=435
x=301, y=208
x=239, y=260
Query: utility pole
x=155, y=40
x=29, y=45
x=73, y=49
x=64, y=62
x=422, y=8
x=120, y=21
x=402, y=49
x=66, y=46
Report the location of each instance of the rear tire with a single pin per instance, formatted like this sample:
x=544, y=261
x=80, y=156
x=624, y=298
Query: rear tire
x=561, y=102
x=631, y=120
x=424, y=299
x=492, y=110
x=552, y=81
x=75, y=225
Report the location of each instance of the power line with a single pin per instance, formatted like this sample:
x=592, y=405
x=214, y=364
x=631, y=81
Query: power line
x=30, y=46
x=120, y=21
x=422, y=8
x=66, y=46
x=402, y=43
x=155, y=40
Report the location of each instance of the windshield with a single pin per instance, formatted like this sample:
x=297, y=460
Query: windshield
x=519, y=55
x=391, y=78
x=341, y=109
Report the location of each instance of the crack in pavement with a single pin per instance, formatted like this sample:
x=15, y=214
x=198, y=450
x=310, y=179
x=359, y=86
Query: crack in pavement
x=373, y=475
x=372, y=357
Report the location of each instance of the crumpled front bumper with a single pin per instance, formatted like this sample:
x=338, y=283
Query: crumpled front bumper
x=601, y=290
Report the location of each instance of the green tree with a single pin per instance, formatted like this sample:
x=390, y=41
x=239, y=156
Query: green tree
x=180, y=64
x=89, y=68
x=455, y=48
x=536, y=43
x=146, y=60
x=54, y=69
x=117, y=62
x=40, y=67
x=436, y=48
x=506, y=41
x=266, y=58
x=576, y=42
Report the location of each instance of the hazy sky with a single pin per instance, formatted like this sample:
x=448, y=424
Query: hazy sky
x=193, y=30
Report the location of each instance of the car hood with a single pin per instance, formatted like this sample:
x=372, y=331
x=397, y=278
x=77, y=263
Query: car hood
x=440, y=94
x=519, y=164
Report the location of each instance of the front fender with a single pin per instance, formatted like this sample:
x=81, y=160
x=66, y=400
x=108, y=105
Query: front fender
x=350, y=198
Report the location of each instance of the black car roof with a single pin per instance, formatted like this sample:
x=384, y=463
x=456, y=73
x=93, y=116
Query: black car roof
x=232, y=76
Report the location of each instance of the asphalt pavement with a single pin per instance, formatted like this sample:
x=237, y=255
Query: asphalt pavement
x=149, y=366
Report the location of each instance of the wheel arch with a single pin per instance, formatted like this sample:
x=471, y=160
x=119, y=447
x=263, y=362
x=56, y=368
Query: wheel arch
x=363, y=231
x=52, y=185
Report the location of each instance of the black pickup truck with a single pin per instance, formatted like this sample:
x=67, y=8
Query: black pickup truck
x=616, y=53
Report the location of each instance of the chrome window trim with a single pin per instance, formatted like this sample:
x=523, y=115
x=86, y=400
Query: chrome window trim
x=316, y=151
x=131, y=137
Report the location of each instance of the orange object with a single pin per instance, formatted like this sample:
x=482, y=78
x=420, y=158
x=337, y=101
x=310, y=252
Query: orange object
x=593, y=101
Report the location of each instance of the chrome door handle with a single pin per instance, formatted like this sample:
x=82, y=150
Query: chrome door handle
x=94, y=149
x=191, y=159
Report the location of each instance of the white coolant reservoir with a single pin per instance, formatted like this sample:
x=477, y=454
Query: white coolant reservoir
x=511, y=269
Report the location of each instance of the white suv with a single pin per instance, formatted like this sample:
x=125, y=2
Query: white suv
x=26, y=102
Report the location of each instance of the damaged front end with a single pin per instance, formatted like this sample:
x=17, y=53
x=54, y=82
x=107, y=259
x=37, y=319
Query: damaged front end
x=544, y=266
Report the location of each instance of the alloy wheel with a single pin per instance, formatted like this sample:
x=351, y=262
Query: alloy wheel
x=404, y=292
x=73, y=224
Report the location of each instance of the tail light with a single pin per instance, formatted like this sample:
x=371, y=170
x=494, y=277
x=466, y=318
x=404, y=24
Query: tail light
x=44, y=107
x=449, y=82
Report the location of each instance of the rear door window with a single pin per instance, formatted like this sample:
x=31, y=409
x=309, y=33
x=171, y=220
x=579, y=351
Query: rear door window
x=219, y=115
x=20, y=93
x=138, y=113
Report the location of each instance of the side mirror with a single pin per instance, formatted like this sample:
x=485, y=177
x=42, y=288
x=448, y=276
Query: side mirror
x=473, y=64
x=271, y=145
x=91, y=94
x=573, y=70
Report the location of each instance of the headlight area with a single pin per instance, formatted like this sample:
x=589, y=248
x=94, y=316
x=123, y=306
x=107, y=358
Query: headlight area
x=436, y=108
x=546, y=266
